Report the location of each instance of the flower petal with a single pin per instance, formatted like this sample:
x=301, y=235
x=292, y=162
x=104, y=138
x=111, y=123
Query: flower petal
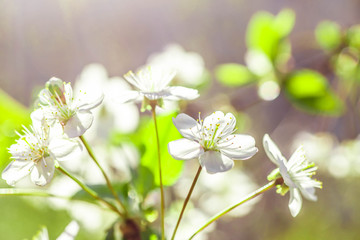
x=215, y=162
x=309, y=193
x=63, y=149
x=295, y=202
x=16, y=170
x=238, y=146
x=90, y=101
x=272, y=151
x=184, y=149
x=187, y=126
x=43, y=171
x=128, y=96
x=178, y=92
x=78, y=124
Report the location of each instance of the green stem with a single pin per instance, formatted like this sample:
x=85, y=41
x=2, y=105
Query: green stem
x=89, y=191
x=108, y=183
x=162, y=210
x=186, y=201
x=247, y=198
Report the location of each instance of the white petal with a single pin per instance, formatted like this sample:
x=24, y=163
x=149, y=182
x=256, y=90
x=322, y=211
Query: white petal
x=295, y=202
x=182, y=93
x=211, y=120
x=285, y=174
x=16, y=170
x=127, y=96
x=90, y=101
x=43, y=171
x=227, y=125
x=215, y=162
x=309, y=193
x=155, y=95
x=184, y=149
x=238, y=146
x=298, y=158
x=70, y=231
x=63, y=149
x=78, y=124
x=272, y=151
x=186, y=125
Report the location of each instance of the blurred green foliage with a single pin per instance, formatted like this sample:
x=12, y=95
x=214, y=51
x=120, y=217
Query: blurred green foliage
x=328, y=35
x=233, y=74
x=310, y=90
x=13, y=116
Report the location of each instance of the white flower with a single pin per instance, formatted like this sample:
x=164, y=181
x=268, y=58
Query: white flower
x=296, y=174
x=36, y=151
x=59, y=104
x=152, y=84
x=212, y=141
x=69, y=233
x=189, y=66
x=109, y=115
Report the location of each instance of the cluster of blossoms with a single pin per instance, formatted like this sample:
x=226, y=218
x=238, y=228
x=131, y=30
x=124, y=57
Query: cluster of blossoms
x=57, y=122
x=62, y=118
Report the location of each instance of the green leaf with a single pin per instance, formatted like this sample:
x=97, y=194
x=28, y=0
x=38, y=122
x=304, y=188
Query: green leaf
x=353, y=37
x=234, y=75
x=328, y=35
x=12, y=116
x=309, y=91
x=284, y=22
x=306, y=84
x=171, y=168
x=103, y=191
x=346, y=66
x=267, y=33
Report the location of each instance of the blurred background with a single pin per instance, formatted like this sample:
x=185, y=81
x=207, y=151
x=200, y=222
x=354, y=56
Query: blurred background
x=283, y=72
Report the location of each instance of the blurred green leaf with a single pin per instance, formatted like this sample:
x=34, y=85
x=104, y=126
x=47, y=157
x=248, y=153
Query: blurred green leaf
x=12, y=116
x=266, y=32
x=103, y=191
x=328, y=35
x=309, y=91
x=233, y=74
x=353, y=37
x=346, y=65
x=284, y=22
x=171, y=168
x=23, y=216
x=306, y=84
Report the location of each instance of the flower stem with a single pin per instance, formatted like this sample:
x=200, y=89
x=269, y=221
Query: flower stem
x=247, y=198
x=186, y=201
x=162, y=210
x=108, y=183
x=90, y=191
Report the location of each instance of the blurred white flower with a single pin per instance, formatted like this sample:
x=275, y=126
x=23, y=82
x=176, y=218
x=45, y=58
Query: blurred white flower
x=258, y=62
x=268, y=90
x=36, y=151
x=58, y=103
x=296, y=173
x=69, y=233
x=110, y=115
x=153, y=85
x=344, y=160
x=318, y=146
x=211, y=141
x=189, y=66
x=192, y=220
x=217, y=193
